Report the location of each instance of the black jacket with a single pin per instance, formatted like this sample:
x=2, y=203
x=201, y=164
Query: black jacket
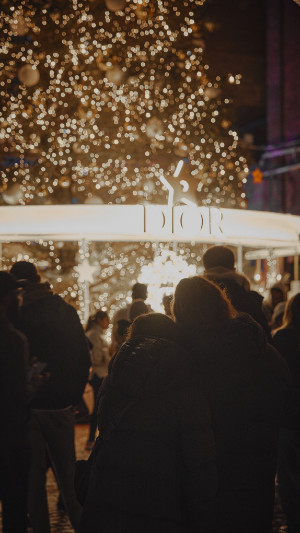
x=287, y=343
x=14, y=404
x=245, y=381
x=55, y=335
x=156, y=470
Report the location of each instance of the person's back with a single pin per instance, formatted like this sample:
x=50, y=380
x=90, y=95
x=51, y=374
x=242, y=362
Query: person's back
x=245, y=381
x=287, y=341
x=14, y=456
x=155, y=468
x=55, y=337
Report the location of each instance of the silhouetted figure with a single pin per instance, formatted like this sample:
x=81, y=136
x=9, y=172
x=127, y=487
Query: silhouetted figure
x=139, y=293
x=287, y=342
x=167, y=303
x=245, y=381
x=56, y=337
x=137, y=308
x=278, y=294
x=219, y=267
x=122, y=332
x=100, y=357
x=14, y=413
x=155, y=470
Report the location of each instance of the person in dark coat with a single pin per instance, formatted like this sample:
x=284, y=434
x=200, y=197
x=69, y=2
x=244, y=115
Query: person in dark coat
x=14, y=413
x=219, y=268
x=56, y=338
x=245, y=381
x=287, y=341
x=155, y=470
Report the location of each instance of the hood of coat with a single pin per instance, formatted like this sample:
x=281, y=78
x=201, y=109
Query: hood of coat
x=231, y=344
x=221, y=274
x=35, y=291
x=144, y=367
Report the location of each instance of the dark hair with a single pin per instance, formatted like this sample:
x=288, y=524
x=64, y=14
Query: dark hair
x=25, y=270
x=136, y=309
x=218, y=256
x=291, y=315
x=139, y=290
x=201, y=302
x=99, y=315
x=154, y=325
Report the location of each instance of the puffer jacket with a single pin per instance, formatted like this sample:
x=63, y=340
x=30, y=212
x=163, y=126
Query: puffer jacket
x=156, y=471
x=245, y=380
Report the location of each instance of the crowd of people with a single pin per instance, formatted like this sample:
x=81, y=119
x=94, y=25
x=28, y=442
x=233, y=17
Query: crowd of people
x=197, y=409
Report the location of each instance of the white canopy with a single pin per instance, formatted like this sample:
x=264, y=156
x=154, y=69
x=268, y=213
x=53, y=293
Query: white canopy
x=254, y=229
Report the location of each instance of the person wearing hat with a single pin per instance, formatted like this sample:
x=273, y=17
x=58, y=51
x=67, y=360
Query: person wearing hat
x=14, y=413
x=56, y=337
x=218, y=262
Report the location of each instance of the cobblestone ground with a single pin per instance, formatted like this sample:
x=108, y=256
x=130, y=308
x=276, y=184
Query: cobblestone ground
x=59, y=521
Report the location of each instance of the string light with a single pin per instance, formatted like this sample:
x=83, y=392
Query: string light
x=99, y=103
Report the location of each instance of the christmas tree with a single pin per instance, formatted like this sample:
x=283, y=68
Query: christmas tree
x=100, y=101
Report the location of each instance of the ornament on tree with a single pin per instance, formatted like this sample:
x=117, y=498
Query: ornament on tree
x=64, y=182
x=154, y=127
x=115, y=75
x=144, y=11
x=181, y=149
x=115, y=5
x=28, y=75
x=18, y=24
x=212, y=92
x=13, y=194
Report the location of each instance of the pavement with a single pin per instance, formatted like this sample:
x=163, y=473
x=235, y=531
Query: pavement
x=58, y=519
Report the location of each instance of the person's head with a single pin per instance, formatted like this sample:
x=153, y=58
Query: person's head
x=167, y=303
x=137, y=308
x=25, y=271
x=278, y=294
x=8, y=295
x=218, y=256
x=291, y=315
x=100, y=317
x=139, y=291
x=155, y=325
x=199, y=302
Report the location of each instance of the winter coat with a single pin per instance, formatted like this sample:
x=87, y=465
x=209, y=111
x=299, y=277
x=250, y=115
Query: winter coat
x=55, y=335
x=100, y=350
x=14, y=405
x=287, y=343
x=156, y=470
x=237, y=288
x=245, y=381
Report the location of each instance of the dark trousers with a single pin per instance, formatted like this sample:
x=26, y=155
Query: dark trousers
x=288, y=474
x=95, y=383
x=13, y=494
x=51, y=434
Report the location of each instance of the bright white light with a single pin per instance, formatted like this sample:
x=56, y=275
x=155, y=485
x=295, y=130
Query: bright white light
x=162, y=276
x=178, y=169
x=85, y=271
x=257, y=277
